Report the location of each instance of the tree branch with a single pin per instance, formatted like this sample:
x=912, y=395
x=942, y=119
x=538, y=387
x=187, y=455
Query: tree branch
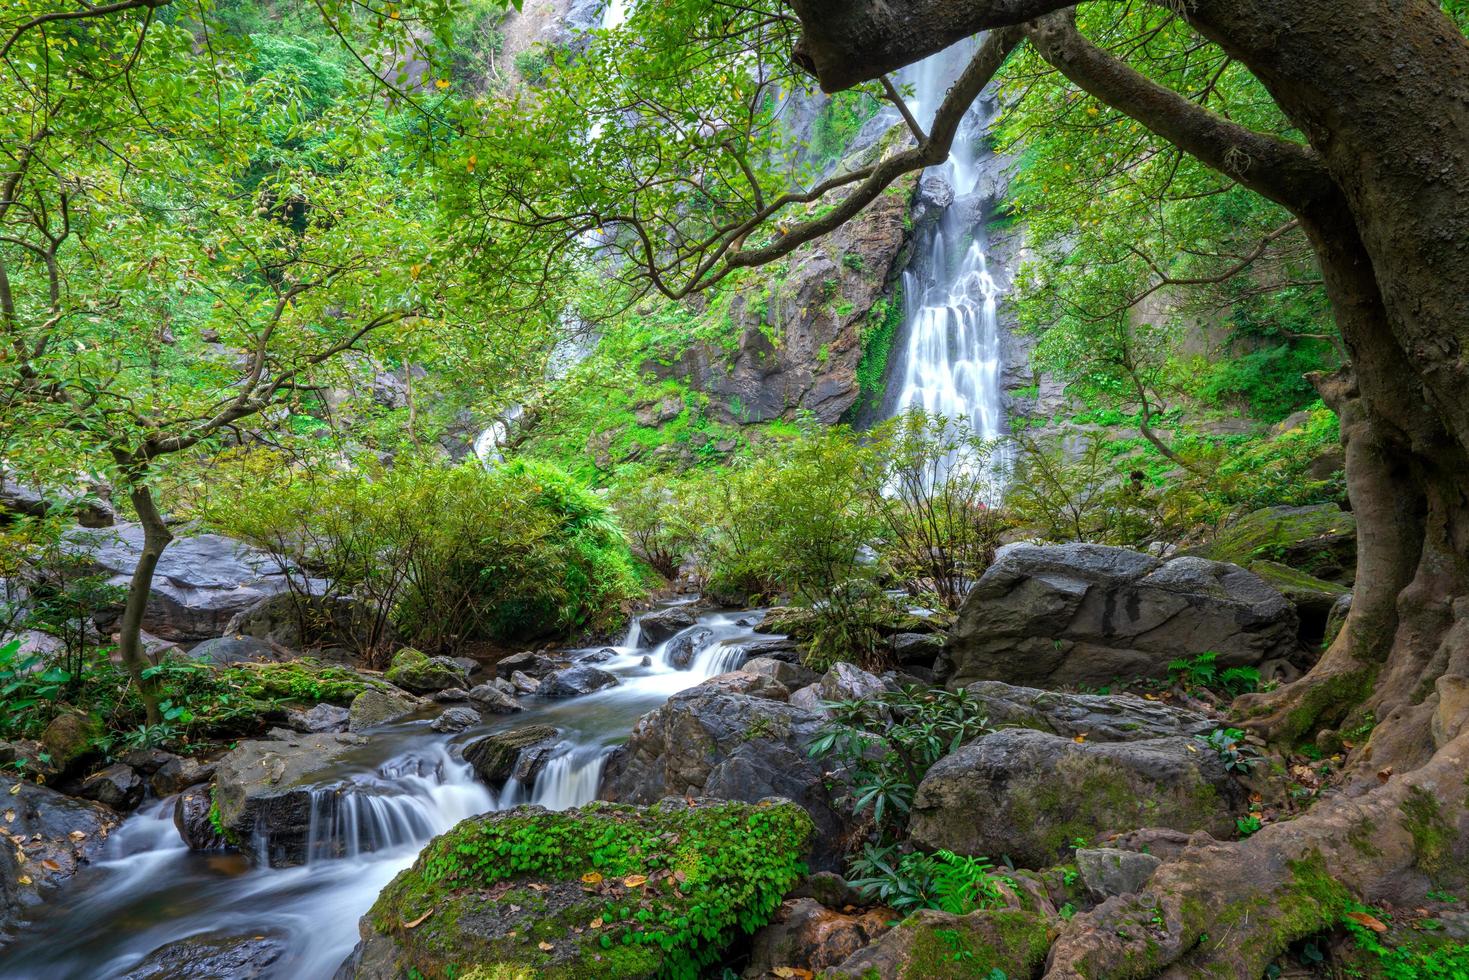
x=85, y=12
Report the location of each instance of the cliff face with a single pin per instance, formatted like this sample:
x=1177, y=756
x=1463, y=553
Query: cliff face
x=801, y=324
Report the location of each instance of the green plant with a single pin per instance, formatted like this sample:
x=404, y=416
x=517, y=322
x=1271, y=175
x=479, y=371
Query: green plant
x=1247, y=825
x=887, y=742
x=911, y=880
x=1232, y=751
x=1203, y=671
x=1410, y=961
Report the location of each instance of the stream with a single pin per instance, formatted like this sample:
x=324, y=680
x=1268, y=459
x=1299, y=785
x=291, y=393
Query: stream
x=377, y=810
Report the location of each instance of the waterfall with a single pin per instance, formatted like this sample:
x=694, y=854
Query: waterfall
x=950, y=363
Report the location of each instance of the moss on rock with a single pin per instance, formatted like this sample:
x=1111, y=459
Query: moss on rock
x=931, y=944
x=605, y=891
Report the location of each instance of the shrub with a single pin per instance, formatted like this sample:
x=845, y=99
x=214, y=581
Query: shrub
x=659, y=514
x=943, y=880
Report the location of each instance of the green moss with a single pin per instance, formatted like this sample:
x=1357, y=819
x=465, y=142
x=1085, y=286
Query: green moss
x=548, y=891
x=303, y=679
x=1330, y=699
x=1433, y=835
x=1010, y=941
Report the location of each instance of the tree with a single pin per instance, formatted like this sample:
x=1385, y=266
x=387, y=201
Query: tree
x=1369, y=163
x=1380, y=185
x=188, y=247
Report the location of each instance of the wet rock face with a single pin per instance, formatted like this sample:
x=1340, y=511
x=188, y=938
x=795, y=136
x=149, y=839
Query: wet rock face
x=201, y=583
x=415, y=671
x=706, y=742
x=49, y=837
x=191, y=816
x=495, y=757
x=211, y=955
x=684, y=647
x=1099, y=718
x=664, y=624
x=532, y=665
x=373, y=707
x=807, y=935
x=263, y=789
x=1028, y=794
x=1081, y=614
x=118, y=786
x=576, y=681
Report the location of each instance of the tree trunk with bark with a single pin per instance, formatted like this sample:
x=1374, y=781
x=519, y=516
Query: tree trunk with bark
x=156, y=537
x=1380, y=88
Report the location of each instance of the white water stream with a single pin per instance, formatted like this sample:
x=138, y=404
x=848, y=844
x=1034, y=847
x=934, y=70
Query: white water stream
x=370, y=817
x=950, y=364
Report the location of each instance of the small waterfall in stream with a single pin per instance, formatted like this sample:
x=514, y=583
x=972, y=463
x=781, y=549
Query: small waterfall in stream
x=950, y=362
x=368, y=819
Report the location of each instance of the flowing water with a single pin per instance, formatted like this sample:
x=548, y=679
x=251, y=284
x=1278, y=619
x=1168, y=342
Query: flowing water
x=371, y=815
x=950, y=363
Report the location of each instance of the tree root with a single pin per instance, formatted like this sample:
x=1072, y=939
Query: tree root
x=1228, y=909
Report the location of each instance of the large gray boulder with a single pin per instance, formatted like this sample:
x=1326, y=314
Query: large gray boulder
x=684, y=647
x=1084, y=614
x=200, y=584
x=1100, y=718
x=47, y=840
x=1028, y=795
x=264, y=790
x=664, y=624
x=576, y=681
x=301, y=622
x=374, y=707
x=707, y=742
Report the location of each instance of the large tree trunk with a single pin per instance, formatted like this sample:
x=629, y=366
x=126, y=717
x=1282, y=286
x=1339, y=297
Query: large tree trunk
x=1380, y=88
x=156, y=537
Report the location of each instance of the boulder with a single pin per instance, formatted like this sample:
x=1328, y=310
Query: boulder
x=743, y=682
x=179, y=773
x=201, y=582
x=703, y=742
x=524, y=683
x=929, y=943
x=264, y=790
x=118, y=786
x=917, y=649
x=1097, y=717
x=48, y=839
x=301, y=622
x=1319, y=539
x=71, y=735
x=663, y=624
x=576, y=681
x=455, y=720
x=806, y=935
x=1082, y=614
x=528, y=912
x=596, y=656
x=791, y=675
x=212, y=954
x=684, y=647
x=535, y=665
x=450, y=695
x=845, y=682
x=25, y=755
x=493, y=757
x=373, y=707
x=1312, y=597
x=1109, y=871
x=491, y=698
x=319, y=718
x=193, y=815
x=224, y=650
x=416, y=671
x=1029, y=795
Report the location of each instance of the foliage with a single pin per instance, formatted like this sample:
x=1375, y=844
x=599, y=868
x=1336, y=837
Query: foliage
x=444, y=554
x=887, y=742
x=1410, y=961
x=879, y=331
x=660, y=519
x=684, y=881
x=934, y=493
x=1229, y=744
x=912, y=880
x=1202, y=671
x=839, y=122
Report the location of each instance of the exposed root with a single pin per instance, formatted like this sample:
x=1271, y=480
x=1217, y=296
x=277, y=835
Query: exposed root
x=1228, y=909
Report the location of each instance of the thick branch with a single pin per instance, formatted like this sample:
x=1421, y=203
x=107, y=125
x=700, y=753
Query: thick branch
x=846, y=43
x=1288, y=173
x=85, y=12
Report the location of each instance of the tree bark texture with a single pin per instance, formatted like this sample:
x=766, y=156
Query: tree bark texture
x=156, y=537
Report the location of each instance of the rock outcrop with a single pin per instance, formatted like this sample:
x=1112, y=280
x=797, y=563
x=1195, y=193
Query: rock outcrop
x=1319, y=539
x=1082, y=614
x=416, y=671
x=704, y=742
x=1029, y=795
x=49, y=837
x=931, y=944
x=1096, y=717
x=494, y=758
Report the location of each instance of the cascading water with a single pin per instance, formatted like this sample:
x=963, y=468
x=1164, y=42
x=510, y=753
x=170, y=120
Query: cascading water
x=368, y=819
x=950, y=364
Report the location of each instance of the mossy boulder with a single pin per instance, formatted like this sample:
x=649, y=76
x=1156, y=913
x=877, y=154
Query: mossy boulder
x=494, y=757
x=413, y=670
x=1029, y=795
x=604, y=891
x=1312, y=596
x=1320, y=539
x=929, y=944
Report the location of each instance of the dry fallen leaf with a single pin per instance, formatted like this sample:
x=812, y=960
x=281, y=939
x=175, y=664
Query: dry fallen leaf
x=1384, y=773
x=545, y=947
x=1080, y=738
x=10, y=816
x=24, y=879
x=1371, y=922
x=592, y=878
x=595, y=923
x=418, y=921
x=15, y=789
x=50, y=865
x=633, y=881
x=77, y=835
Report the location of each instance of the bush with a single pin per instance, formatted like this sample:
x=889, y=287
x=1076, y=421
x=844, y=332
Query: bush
x=660, y=517
x=445, y=554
